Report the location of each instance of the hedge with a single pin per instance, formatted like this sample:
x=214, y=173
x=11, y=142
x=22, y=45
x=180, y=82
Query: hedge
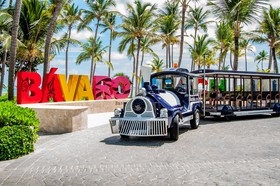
x=18, y=130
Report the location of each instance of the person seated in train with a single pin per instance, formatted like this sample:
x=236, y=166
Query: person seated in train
x=213, y=96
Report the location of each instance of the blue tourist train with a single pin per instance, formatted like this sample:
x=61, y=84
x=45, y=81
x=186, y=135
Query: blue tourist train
x=167, y=100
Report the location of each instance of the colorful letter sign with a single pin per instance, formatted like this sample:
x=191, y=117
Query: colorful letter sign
x=56, y=88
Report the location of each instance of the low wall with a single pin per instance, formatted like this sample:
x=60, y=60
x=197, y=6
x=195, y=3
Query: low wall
x=94, y=106
x=62, y=117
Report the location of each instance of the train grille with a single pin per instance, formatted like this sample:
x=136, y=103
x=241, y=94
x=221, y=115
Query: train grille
x=143, y=128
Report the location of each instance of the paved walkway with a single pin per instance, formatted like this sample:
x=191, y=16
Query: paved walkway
x=241, y=152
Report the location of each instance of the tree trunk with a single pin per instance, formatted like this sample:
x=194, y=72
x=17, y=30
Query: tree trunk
x=142, y=60
x=195, y=33
x=49, y=37
x=10, y=4
x=246, y=60
x=3, y=70
x=137, y=64
x=275, y=65
x=67, y=51
x=236, y=48
x=110, y=49
x=169, y=56
x=93, y=53
x=172, y=55
x=94, y=68
x=220, y=58
x=184, y=8
x=270, y=58
x=166, y=56
x=13, y=50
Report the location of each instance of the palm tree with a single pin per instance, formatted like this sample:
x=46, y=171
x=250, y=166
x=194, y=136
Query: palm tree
x=140, y=19
x=13, y=49
x=167, y=27
x=246, y=46
x=98, y=9
x=200, y=49
x=237, y=13
x=269, y=32
x=5, y=39
x=262, y=56
x=156, y=64
x=58, y=6
x=33, y=24
x=197, y=20
x=184, y=4
x=168, y=24
x=86, y=53
x=224, y=38
x=70, y=16
x=109, y=24
x=128, y=36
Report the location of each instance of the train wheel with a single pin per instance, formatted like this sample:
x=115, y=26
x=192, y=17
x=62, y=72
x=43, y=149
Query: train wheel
x=174, y=130
x=196, y=119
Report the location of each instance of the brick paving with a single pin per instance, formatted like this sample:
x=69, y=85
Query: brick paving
x=245, y=151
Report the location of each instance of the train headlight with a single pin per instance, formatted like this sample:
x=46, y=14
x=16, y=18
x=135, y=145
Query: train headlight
x=118, y=112
x=163, y=113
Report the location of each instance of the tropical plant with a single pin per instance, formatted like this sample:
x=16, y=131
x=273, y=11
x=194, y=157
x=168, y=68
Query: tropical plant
x=86, y=53
x=246, y=46
x=13, y=49
x=261, y=57
x=200, y=49
x=237, y=13
x=110, y=24
x=33, y=24
x=71, y=15
x=5, y=40
x=168, y=25
x=58, y=4
x=197, y=20
x=224, y=39
x=156, y=64
x=98, y=10
x=269, y=32
x=140, y=22
x=184, y=5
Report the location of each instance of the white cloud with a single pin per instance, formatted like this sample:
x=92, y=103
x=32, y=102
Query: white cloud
x=118, y=56
x=82, y=35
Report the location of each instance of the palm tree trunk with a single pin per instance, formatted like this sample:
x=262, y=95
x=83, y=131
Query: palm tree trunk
x=230, y=59
x=110, y=49
x=13, y=49
x=184, y=9
x=275, y=65
x=169, y=56
x=220, y=58
x=166, y=56
x=67, y=51
x=94, y=68
x=236, y=48
x=246, y=63
x=30, y=64
x=10, y=4
x=49, y=37
x=93, y=53
x=3, y=70
x=224, y=61
x=137, y=64
x=142, y=60
x=195, y=33
x=172, y=55
x=270, y=58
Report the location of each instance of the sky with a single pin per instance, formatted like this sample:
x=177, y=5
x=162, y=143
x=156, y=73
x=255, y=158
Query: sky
x=120, y=61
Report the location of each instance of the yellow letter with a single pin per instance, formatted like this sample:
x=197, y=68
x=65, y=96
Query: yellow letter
x=69, y=90
x=84, y=90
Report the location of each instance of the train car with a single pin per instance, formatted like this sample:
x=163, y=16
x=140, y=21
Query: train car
x=167, y=100
x=239, y=93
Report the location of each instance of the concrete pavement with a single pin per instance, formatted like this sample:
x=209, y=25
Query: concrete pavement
x=245, y=151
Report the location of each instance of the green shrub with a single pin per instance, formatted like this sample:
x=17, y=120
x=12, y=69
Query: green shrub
x=4, y=98
x=18, y=130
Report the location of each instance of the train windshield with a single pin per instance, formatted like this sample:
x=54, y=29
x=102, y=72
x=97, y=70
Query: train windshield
x=170, y=82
